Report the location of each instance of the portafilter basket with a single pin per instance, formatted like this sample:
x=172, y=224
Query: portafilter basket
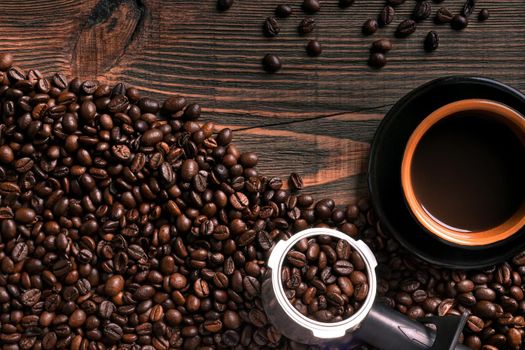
x=373, y=323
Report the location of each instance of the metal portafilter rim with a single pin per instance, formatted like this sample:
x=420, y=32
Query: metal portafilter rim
x=275, y=297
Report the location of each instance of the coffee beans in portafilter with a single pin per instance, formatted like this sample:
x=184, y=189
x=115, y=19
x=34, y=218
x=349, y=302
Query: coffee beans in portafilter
x=325, y=279
x=126, y=223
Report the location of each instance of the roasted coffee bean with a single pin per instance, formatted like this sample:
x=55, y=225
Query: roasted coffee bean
x=443, y=15
x=405, y=28
x=271, y=27
x=306, y=26
x=224, y=5
x=313, y=48
x=113, y=332
x=459, y=22
x=20, y=252
x=377, y=60
x=6, y=61
x=422, y=10
x=346, y=3
x=386, y=16
x=475, y=324
x=283, y=11
x=396, y=2
x=483, y=15
x=30, y=297
x=271, y=63
x=370, y=26
x=311, y=6
x=485, y=309
x=468, y=7
x=296, y=258
x=381, y=46
x=431, y=42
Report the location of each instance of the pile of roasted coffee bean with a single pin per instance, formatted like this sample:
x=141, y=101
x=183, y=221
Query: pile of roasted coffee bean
x=325, y=279
x=422, y=10
x=127, y=224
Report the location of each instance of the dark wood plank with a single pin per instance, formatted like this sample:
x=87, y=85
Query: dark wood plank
x=317, y=116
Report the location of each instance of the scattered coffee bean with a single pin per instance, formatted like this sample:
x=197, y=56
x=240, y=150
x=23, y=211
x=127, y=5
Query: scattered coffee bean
x=6, y=61
x=483, y=15
x=346, y=3
x=459, y=22
x=443, y=15
x=405, y=28
x=431, y=41
x=224, y=5
x=283, y=11
x=271, y=27
x=370, y=26
x=311, y=6
x=468, y=7
x=422, y=10
x=395, y=2
x=272, y=63
x=386, y=16
x=313, y=48
x=306, y=26
x=381, y=45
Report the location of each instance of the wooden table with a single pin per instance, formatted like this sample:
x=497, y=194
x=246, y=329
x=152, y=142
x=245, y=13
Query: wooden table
x=316, y=117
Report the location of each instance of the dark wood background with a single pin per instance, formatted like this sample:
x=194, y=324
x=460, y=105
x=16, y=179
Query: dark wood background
x=316, y=117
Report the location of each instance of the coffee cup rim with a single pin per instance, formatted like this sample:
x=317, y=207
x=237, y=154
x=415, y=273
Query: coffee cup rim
x=477, y=238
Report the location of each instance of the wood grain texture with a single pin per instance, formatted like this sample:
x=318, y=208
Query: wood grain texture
x=316, y=117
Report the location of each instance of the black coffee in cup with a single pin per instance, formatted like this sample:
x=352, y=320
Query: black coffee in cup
x=463, y=172
x=468, y=171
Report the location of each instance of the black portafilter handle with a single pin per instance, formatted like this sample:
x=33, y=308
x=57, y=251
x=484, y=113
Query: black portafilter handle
x=388, y=329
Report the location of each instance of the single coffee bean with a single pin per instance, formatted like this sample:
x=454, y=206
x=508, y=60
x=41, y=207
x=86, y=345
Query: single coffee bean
x=377, y=60
x=311, y=6
x=20, y=252
x=224, y=5
x=468, y=7
x=114, y=285
x=485, y=309
x=396, y=2
x=459, y=22
x=271, y=27
x=113, y=332
x=30, y=297
x=6, y=61
x=271, y=63
x=443, y=15
x=475, y=324
x=306, y=26
x=313, y=48
x=296, y=258
x=514, y=338
x=483, y=15
x=381, y=45
x=283, y=11
x=406, y=28
x=422, y=10
x=431, y=41
x=346, y=3
x=386, y=16
x=370, y=26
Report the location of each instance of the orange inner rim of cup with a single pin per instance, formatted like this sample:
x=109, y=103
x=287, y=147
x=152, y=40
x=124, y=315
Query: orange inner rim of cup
x=477, y=238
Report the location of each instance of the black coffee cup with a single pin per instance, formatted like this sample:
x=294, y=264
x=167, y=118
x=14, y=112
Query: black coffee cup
x=397, y=206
